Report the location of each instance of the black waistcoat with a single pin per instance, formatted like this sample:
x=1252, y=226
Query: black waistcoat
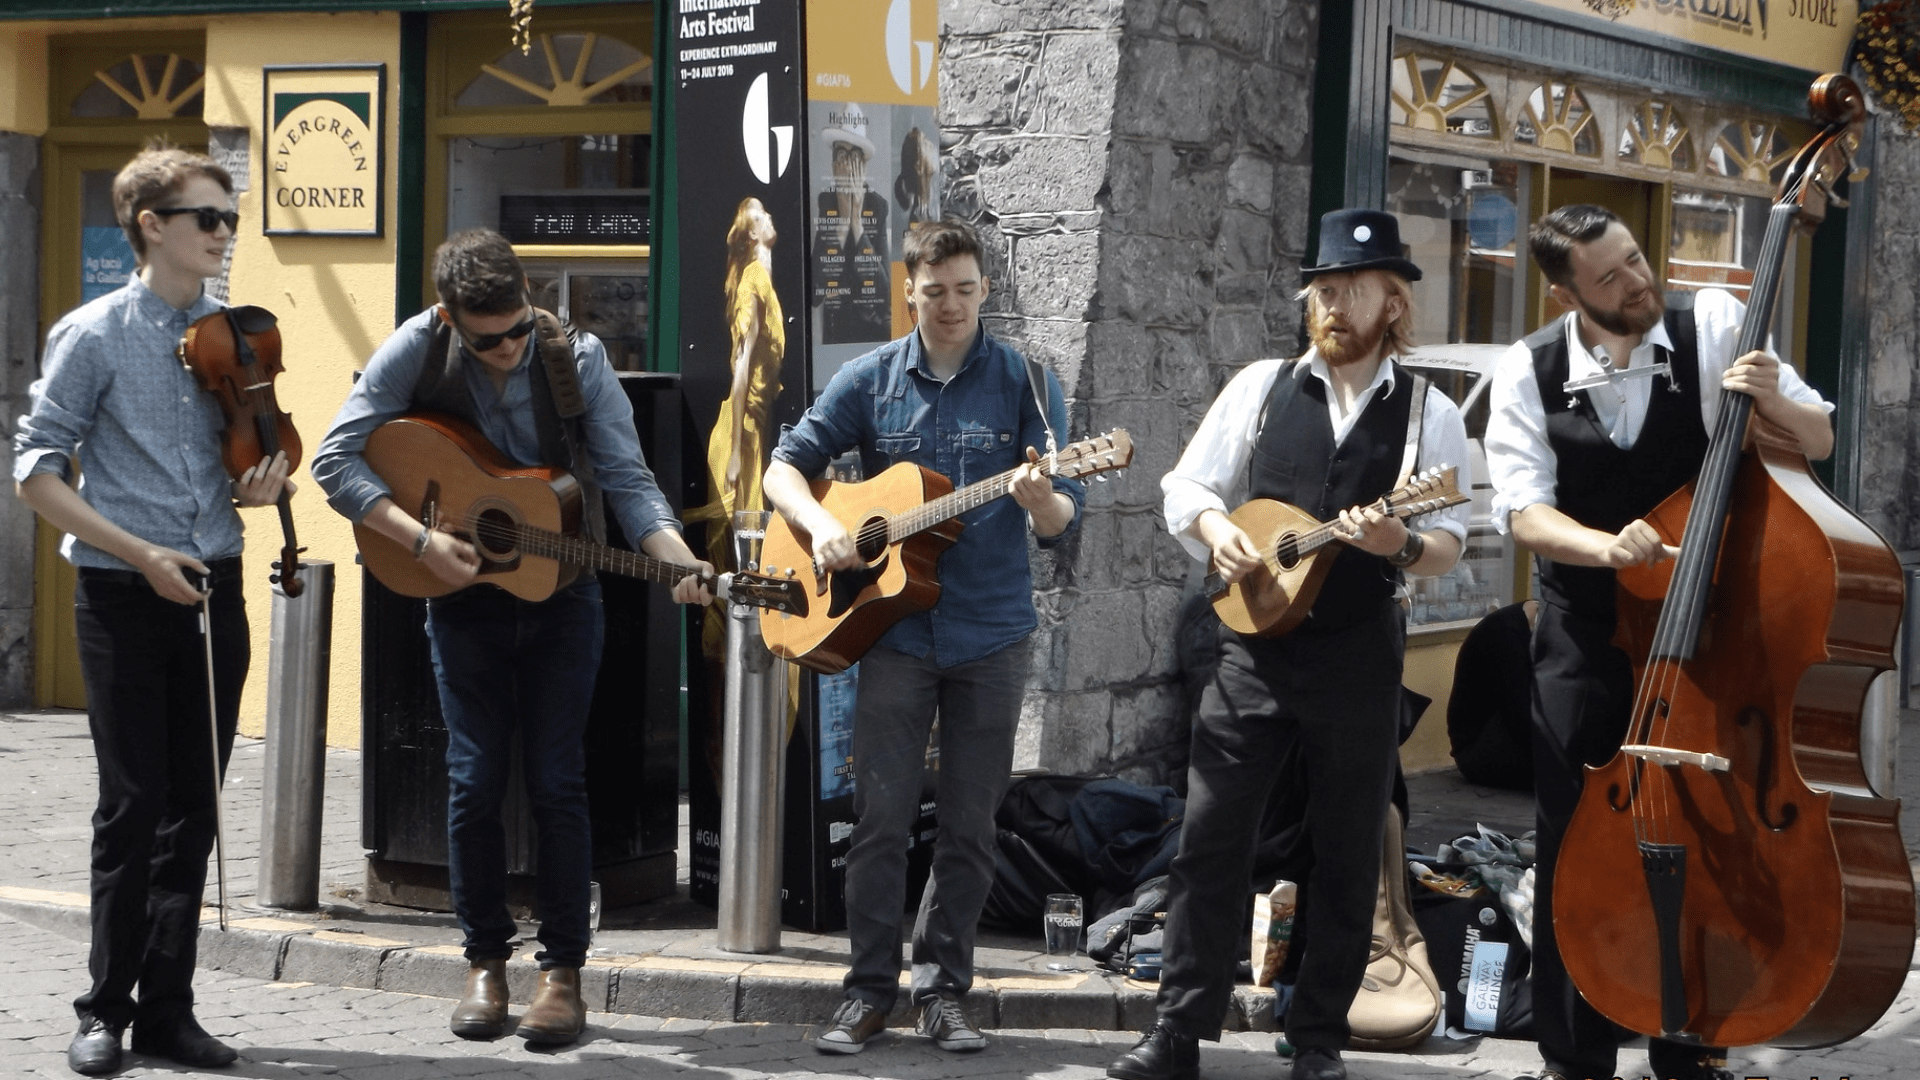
x=1599, y=484
x=442, y=387
x=1295, y=461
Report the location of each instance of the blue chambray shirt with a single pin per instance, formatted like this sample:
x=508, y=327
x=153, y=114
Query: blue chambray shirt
x=975, y=426
x=385, y=390
x=113, y=392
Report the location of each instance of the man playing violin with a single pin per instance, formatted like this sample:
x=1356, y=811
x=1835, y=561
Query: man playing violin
x=152, y=530
x=1327, y=432
x=485, y=355
x=1575, y=471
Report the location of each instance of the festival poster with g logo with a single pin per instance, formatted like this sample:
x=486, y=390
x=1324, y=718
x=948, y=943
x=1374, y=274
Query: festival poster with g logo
x=324, y=161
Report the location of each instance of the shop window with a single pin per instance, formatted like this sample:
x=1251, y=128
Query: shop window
x=1557, y=117
x=1438, y=94
x=563, y=70
x=1752, y=150
x=1655, y=135
x=606, y=298
x=152, y=86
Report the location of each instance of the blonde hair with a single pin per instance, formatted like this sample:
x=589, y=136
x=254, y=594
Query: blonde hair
x=1399, y=336
x=740, y=244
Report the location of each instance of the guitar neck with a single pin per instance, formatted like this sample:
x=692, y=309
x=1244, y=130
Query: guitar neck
x=953, y=504
x=579, y=552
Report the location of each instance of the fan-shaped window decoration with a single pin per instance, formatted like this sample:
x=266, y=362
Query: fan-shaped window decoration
x=1751, y=150
x=154, y=86
x=1432, y=93
x=1557, y=118
x=1655, y=135
x=562, y=70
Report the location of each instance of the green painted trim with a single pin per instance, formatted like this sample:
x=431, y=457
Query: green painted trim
x=663, y=266
x=134, y=9
x=411, y=169
x=1339, y=57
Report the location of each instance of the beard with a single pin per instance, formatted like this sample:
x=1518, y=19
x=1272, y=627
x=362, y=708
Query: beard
x=1627, y=321
x=1361, y=343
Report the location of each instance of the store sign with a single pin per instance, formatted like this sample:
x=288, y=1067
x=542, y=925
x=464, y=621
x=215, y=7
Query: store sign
x=1808, y=34
x=323, y=160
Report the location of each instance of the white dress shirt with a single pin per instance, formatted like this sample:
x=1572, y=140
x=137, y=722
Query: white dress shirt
x=1519, y=460
x=1215, y=472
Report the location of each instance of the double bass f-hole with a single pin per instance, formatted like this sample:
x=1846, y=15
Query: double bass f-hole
x=234, y=353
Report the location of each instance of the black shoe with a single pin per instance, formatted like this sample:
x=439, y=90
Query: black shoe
x=1678, y=1061
x=95, y=1049
x=184, y=1042
x=1161, y=1054
x=1313, y=1063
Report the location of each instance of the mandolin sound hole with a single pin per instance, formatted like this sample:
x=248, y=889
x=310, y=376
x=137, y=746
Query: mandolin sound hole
x=493, y=534
x=1288, y=552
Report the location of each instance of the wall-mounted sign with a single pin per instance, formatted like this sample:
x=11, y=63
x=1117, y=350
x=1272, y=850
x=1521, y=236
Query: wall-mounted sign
x=323, y=161
x=1808, y=34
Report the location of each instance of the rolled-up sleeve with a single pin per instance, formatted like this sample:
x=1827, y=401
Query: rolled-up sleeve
x=1212, y=472
x=60, y=407
x=383, y=391
x=1520, y=463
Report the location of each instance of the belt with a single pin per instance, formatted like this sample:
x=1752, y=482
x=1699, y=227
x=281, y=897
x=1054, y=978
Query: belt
x=218, y=570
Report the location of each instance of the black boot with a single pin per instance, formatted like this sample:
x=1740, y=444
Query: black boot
x=183, y=1041
x=95, y=1049
x=1680, y=1061
x=1313, y=1063
x=1161, y=1054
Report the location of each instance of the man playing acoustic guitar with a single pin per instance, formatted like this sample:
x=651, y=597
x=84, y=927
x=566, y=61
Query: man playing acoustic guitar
x=1332, y=430
x=485, y=355
x=951, y=398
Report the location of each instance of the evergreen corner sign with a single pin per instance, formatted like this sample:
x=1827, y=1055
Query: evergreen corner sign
x=324, y=161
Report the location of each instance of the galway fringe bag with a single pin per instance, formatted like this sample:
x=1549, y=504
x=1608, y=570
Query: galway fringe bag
x=1399, y=1000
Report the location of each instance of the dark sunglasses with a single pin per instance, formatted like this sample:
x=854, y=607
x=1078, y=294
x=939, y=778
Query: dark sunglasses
x=486, y=342
x=207, y=217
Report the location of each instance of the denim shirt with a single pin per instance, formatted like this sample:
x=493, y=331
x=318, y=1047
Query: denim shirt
x=112, y=392
x=385, y=390
x=976, y=426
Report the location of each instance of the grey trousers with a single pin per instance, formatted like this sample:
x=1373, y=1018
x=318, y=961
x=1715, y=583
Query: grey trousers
x=978, y=704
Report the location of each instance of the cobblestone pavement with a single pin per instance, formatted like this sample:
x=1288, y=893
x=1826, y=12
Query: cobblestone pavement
x=331, y=995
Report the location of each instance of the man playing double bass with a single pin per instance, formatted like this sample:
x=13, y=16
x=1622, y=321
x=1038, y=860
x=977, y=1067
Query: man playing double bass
x=1576, y=473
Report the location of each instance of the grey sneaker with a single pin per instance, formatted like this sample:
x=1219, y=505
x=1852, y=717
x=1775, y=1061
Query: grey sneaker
x=854, y=1022
x=945, y=1022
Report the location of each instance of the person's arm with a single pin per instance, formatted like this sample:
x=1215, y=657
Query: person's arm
x=1052, y=504
x=1212, y=468
x=790, y=493
x=1762, y=377
x=1436, y=539
x=49, y=496
x=1553, y=535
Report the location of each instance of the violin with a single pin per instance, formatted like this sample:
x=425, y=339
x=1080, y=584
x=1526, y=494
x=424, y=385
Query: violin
x=234, y=353
x=1730, y=877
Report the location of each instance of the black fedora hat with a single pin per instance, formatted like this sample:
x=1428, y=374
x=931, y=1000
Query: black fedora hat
x=1360, y=240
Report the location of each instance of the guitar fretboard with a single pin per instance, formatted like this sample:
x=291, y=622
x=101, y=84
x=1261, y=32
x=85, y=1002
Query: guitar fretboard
x=580, y=552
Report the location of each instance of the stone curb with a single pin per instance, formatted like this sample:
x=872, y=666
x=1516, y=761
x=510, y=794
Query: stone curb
x=740, y=991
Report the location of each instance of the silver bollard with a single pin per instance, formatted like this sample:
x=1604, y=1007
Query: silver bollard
x=752, y=779
x=295, y=776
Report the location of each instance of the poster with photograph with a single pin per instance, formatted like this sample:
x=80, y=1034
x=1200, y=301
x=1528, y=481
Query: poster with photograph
x=873, y=163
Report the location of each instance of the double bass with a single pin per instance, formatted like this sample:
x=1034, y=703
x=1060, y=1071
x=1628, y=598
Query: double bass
x=1730, y=878
x=234, y=353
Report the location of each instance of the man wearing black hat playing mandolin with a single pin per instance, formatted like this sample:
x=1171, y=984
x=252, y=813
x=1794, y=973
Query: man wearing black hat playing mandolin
x=1327, y=432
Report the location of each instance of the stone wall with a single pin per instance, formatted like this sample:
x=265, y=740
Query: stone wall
x=1890, y=436
x=1139, y=171
x=19, y=345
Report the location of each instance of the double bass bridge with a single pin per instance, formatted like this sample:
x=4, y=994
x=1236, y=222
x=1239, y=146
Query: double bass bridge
x=1673, y=758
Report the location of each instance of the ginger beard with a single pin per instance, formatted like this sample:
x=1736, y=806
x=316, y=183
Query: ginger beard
x=1345, y=339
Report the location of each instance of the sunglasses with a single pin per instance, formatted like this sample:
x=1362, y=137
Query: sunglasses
x=480, y=343
x=207, y=217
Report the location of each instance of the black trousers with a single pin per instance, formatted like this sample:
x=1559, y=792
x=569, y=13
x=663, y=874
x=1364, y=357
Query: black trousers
x=144, y=663
x=1337, y=695
x=1583, y=698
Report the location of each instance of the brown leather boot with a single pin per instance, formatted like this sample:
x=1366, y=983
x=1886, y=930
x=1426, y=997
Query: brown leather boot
x=482, y=1012
x=557, y=1015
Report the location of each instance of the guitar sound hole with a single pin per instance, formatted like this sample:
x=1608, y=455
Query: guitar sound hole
x=1288, y=552
x=871, y=538
x=493, y=535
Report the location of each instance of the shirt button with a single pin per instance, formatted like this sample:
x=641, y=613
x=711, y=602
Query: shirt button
x=184, y=399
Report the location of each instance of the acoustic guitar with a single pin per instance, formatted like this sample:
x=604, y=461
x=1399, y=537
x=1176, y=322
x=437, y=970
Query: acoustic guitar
x=1276, y=596
x=523, y=519
x=901, y=521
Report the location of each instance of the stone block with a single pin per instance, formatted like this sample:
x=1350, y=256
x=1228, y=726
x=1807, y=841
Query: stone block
x=1250, y=182
x=1244, y=243
x=1254, y=1006
x=1156, y=281
x=1077, y=82
x=1136, y=1004
x=435, y=971
x=1001, y=16
x=240, y=951
x=1076, y=739
x=656, y=990
x=1042, y=174
x=1091, y=1006
x=1269, y=110
x=1056, y=274
x=1119, y=360
x=1109, y=640
x=1172, y=89
x=1149, y=725
x=330, y=962
x=1131, y=169
x=780, y=1000
x=1239, y=25
x=1238, y=334
x=988, y=83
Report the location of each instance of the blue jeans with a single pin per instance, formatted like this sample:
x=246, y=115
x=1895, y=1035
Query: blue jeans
x=501, y=661
x=145, y=668
x=978, y=703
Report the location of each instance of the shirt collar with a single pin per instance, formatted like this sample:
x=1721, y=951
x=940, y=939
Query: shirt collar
x=915, y=355
x=1580, y=356
x=1316, y=365
x=149, y=304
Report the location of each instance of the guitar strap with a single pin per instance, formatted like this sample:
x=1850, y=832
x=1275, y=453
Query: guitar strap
x=1416, y=417
x=567, y=404
x=1037, y=379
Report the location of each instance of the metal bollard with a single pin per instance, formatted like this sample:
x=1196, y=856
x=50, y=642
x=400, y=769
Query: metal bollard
x=295, y=777
x=753, y=782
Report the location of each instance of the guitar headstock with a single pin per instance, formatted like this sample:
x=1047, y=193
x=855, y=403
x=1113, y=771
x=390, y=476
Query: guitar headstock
x=758, y=590
x=1100, y=454
x=1435, y=489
